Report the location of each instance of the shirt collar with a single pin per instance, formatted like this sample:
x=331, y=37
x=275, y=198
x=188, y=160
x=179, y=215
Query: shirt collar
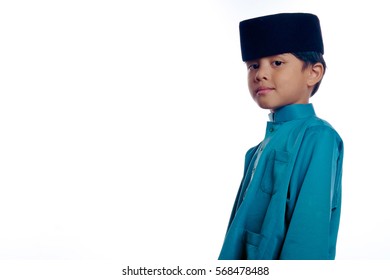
x=292, y=112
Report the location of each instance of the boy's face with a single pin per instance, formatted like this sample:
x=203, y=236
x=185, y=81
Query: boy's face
x=279, y=80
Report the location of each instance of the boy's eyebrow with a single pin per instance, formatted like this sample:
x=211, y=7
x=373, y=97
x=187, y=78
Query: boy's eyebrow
x=251, y=61
x=280, y=54
x=283, y=55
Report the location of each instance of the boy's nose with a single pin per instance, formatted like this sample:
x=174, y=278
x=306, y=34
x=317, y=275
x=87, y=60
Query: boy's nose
x=261, y=74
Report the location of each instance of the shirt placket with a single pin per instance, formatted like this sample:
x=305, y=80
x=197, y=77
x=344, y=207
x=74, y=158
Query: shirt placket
x=271, y=129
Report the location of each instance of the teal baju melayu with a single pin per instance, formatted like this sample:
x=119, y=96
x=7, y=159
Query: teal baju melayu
x=288, y=204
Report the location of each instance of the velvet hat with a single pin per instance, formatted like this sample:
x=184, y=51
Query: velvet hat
x=280, y=33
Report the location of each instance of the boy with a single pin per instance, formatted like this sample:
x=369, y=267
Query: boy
x=288, y=203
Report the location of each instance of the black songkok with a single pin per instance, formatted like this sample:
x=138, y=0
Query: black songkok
x=280, y=33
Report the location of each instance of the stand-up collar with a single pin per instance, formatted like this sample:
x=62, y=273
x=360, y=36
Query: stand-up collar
x=292, y=112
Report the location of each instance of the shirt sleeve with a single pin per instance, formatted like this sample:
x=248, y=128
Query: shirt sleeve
x=314, y=197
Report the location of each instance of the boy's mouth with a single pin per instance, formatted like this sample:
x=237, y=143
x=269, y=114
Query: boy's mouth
x=263, y=90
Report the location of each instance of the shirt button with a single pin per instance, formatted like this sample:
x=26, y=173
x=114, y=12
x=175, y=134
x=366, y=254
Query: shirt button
x=271, y=129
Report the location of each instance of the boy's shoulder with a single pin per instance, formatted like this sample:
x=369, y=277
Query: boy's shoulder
x=312, y=129
x=320, y=128
x=318, y=123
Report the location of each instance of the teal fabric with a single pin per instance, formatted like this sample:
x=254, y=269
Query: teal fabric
x=289, y=201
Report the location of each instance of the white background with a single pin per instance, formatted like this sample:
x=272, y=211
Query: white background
x=124, y=124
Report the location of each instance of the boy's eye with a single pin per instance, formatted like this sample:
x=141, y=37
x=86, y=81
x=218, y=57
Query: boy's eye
x=277, y=63
x=253, y=66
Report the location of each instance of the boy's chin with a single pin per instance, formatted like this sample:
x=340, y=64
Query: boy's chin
x=271, y=107
x=266, y=106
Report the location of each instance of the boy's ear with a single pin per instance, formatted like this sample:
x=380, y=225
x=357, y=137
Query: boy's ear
x=315, y=74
